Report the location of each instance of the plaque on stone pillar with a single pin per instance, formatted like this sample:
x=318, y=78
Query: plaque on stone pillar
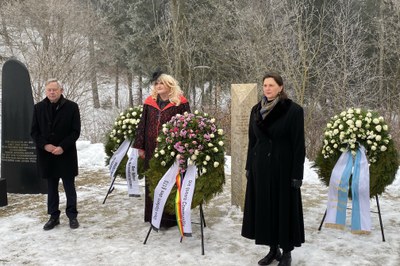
x=18, y=154
x=243, y=98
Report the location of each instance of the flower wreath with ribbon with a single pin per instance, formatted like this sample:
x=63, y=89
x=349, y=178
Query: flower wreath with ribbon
x=124, y=128
x=352, y=129
x=190, y=147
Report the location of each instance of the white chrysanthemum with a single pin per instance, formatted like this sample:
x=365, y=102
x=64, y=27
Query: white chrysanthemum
x=212, y=120
x=220, y=131
x=220, y=143
x=216, y=164
x=163, y=163
x=358, y=123
x=385, y=127
x=215, y=149
x=193, y=157
x=172, y=153
x=162, y=152
x=208, y=158
x=383, y=148
x=378, y=128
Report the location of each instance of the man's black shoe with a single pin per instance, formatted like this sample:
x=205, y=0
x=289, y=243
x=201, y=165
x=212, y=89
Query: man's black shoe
x=73, y=223
x=51, y=223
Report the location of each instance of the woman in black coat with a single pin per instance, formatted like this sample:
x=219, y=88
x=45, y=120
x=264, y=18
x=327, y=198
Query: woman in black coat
x=56, y=127
x=273, y=213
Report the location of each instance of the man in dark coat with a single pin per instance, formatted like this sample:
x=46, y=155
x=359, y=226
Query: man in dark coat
x=273, y=213
x=56, y=126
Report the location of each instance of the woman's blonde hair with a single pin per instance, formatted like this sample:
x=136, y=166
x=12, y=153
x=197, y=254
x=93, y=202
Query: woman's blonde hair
x=175, y=91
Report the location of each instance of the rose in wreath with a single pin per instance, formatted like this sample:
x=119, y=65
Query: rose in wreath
x=191, y=138
x=349, y=130
x=124, y=128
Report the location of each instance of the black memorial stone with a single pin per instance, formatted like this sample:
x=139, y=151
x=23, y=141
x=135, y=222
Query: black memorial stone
x=18, y=154
x=3, y=192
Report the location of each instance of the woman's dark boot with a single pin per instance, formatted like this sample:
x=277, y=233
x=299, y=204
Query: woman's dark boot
x=274, y=253
x=286, y=259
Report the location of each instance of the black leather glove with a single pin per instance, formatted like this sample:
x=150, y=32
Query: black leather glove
x=296, y=183
x=247, y=174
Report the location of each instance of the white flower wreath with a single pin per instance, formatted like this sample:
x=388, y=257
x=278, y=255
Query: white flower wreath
x=356, y=127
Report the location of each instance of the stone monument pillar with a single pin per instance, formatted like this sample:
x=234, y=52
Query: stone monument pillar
x=18, y=154
x=244, y=97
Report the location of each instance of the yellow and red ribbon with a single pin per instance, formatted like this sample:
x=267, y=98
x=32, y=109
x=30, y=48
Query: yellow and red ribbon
x=178, y=203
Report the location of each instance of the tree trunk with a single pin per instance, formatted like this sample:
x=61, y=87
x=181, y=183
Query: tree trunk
x=93, y=74
x=140, y=89
x=116, y=86
x=130, y=82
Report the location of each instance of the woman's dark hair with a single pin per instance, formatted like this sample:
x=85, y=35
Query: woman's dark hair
x=279, y=80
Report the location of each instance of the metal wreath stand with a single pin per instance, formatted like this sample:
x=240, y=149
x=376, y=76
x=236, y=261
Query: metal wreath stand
x=378, y=212
x=202, y=225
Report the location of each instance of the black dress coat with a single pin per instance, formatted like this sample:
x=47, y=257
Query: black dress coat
x=58, y=124
x=146, y=139
x=273, y=213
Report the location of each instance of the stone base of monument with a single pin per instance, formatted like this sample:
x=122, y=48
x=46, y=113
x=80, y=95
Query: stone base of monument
x=3, y=192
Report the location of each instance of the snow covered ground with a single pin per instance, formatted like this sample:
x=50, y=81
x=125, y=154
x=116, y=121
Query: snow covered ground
x=113, y=233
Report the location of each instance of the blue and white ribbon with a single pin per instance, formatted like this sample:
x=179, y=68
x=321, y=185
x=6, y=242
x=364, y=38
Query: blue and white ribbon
x=360, y=219
x=339, y=190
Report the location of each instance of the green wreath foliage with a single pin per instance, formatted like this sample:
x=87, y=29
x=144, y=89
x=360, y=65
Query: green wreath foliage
x=385, y=162
x=190, y=138
x=124, y=127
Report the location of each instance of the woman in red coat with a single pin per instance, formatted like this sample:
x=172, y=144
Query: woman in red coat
x=273, y=213
x=165, y=101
